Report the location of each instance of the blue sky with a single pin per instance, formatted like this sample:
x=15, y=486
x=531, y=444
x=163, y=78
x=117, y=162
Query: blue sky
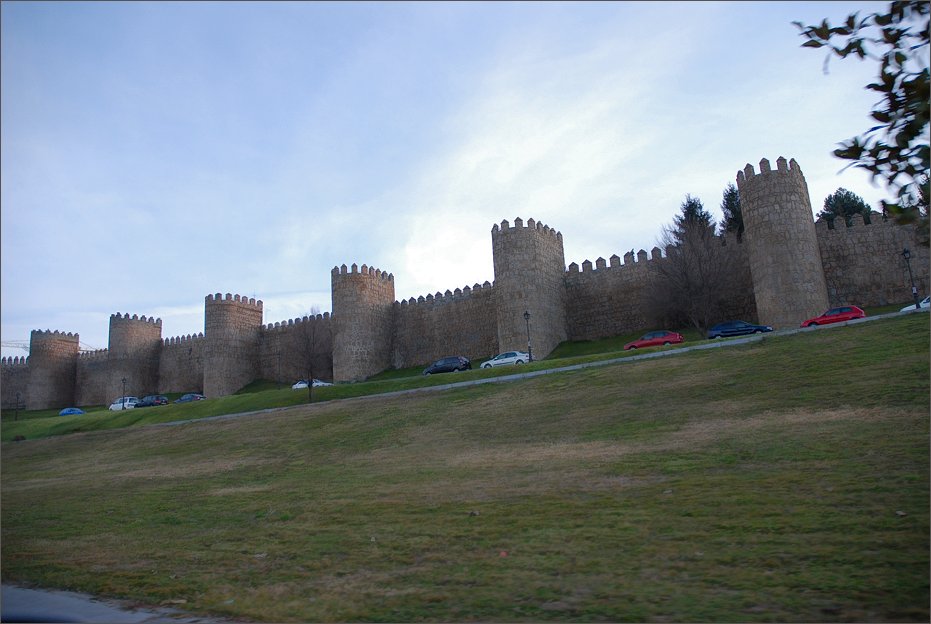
x=153, y=153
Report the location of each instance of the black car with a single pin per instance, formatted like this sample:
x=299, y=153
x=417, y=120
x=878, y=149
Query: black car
x=448, y=365
x=187, y=398
x=152, y=400
x=736, y=328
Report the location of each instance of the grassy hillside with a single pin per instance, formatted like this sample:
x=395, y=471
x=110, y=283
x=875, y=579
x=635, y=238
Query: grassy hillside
x=781, y=481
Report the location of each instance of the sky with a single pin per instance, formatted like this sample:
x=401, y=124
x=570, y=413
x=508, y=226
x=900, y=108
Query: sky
x=153, y=153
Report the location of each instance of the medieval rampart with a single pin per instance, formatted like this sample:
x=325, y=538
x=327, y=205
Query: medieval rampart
x=134, y=349
x=231, y=353
x=52, y=369
x=14, y=382
x=181, y=365
x=295, y=348
x=608, y=299
x=791, y=268
x=461, y=322
x=530, y=269
x=863, y=263
x=363, y=303
x=779, y=231
x=93, y=379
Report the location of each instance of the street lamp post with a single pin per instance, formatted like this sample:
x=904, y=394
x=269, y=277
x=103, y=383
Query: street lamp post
x=907, y=255
x=529, y=347
x=123, y=396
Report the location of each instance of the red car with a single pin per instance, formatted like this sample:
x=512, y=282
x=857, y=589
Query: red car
x=655, y=338
x=836, y=315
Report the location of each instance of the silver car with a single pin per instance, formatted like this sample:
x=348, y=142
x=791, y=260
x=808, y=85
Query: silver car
x=128, y=402
x=511, y=357
x=925, y=303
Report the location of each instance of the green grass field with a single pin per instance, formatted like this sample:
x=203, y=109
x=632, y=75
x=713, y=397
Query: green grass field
x=787, y=480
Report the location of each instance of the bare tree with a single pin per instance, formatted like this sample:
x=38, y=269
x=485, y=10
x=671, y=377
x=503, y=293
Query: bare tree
x=699, y=280
x=316, y=348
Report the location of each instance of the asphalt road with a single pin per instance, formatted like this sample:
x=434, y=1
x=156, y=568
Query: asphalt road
x=18, y=604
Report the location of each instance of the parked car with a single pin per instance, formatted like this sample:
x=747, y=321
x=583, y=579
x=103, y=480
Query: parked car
x=152, y=400
x=736, y=328
x=924, y=303
x=122, y=403
x=187, y=398
x=448, y=365
x=654, y=338
x=511, y=357
x=70, y=411
x=836, y=315
x=316, y=384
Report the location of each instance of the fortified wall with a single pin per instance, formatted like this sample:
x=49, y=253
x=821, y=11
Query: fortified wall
x=793, y=268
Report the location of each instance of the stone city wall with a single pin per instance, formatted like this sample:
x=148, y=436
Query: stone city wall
x=14, y=380
x=863, y=263
x=52, y=369
x=362, y=320
x=793, y=269
x=530, y=270
x=607, y=299
x=288, y=349
x=779, y=232
x=181, y=364
x=231, y=354
x=134, y=349
x=93, y=379
x=461, y=322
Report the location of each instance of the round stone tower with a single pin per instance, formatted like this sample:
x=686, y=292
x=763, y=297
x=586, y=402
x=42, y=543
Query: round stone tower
x=530, y=276
x=134, y=348
x=232, y=326
x=53, y=361
x=779, y=234
x=362, y=321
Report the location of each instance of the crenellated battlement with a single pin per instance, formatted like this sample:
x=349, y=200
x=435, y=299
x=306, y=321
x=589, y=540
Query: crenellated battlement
x=95, y=355
x=342, y=270
x=614, y=262
x=182, y=340
x=38, y=334
x=532, y=225
x=233, y=300
x=782, y=167
x=876, y=220
x=15, y=361
x=290, y=323
x=135, y=317
x=458, y=294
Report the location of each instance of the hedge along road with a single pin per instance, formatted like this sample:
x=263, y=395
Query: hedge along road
x=716, y=344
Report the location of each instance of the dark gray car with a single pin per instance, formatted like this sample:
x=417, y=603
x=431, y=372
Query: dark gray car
x=448, y=365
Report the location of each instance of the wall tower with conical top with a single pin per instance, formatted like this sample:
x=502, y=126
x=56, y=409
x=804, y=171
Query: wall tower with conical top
x=782, y=245
x=362, y=321
x=530, y=271
x=232, y=327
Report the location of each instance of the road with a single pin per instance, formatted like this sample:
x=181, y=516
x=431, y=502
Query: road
x=18, y=604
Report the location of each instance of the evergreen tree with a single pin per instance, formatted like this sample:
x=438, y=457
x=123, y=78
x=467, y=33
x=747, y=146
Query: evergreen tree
x=843, y=204
x=733, y=220
x=693, y=215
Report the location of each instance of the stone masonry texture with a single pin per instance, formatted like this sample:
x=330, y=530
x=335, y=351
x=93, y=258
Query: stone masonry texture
x=785, y=263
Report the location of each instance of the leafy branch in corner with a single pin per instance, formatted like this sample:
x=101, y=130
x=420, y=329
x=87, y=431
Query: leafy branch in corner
x=896, y=149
